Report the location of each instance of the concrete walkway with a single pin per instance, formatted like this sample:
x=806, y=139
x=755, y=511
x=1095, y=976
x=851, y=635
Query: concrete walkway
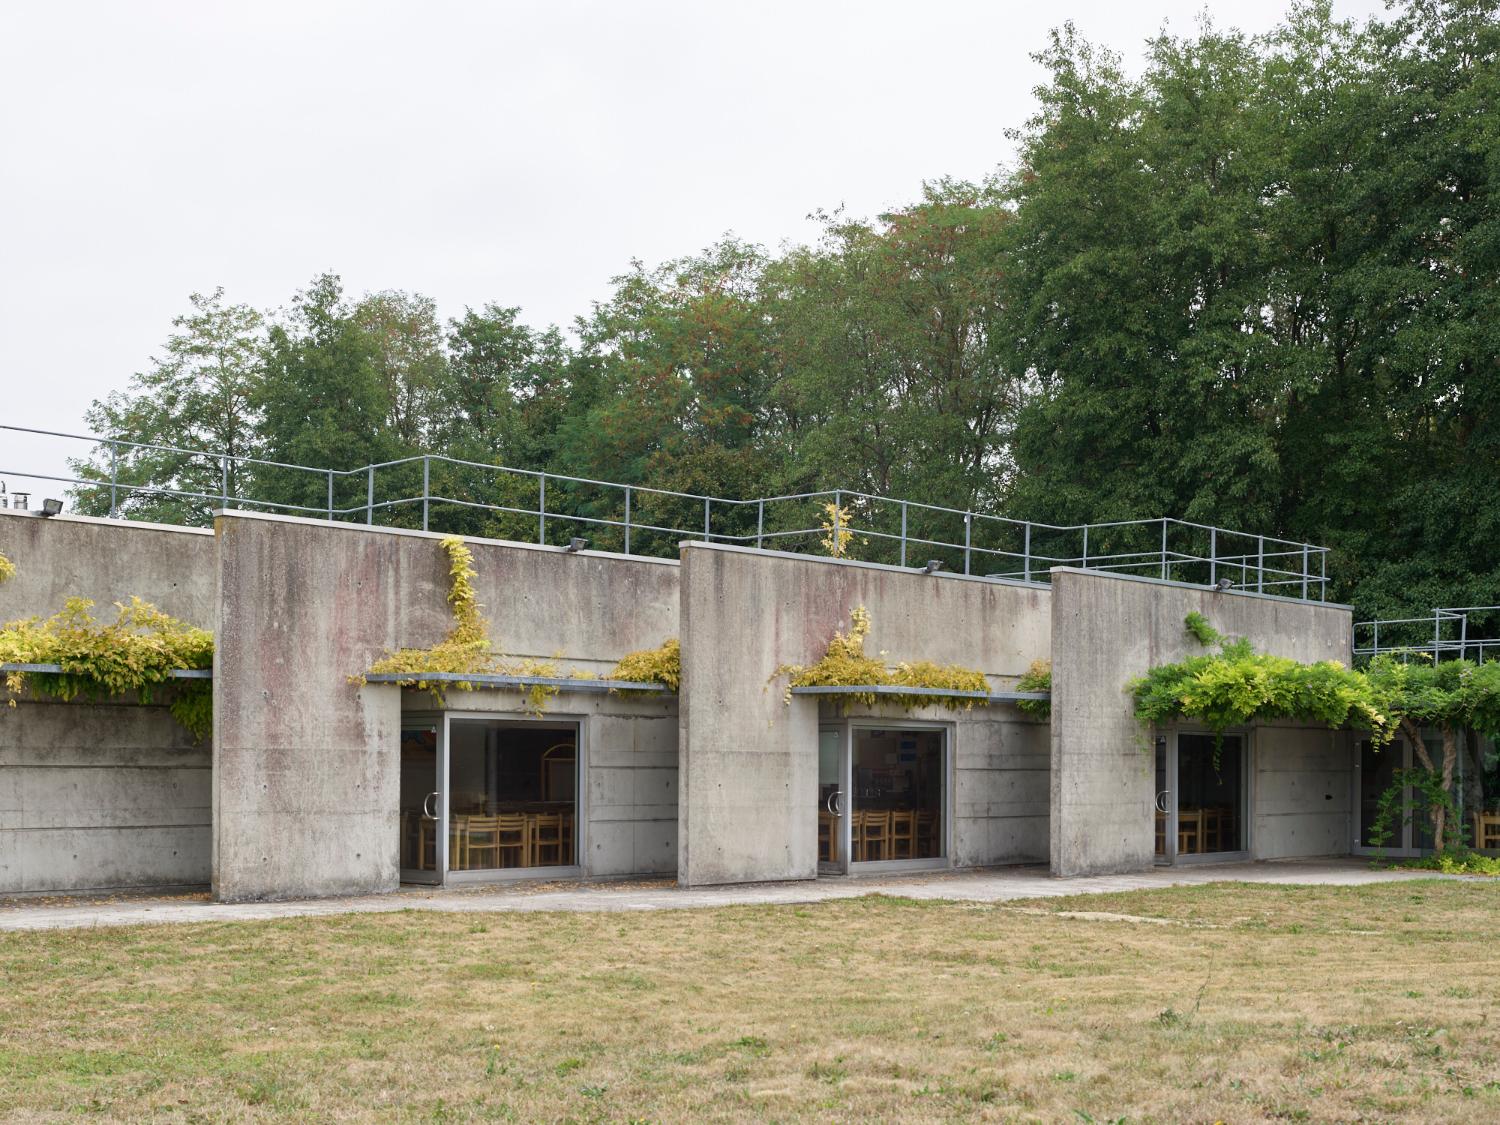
x=987, y=885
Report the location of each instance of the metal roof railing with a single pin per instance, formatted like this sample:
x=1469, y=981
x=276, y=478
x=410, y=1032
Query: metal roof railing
x=1448, y=633
x=128, y=479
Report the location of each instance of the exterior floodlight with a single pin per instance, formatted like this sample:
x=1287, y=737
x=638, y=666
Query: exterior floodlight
x=51, y=507
x=933, y=566
x=1224, y=585
x=576, y=544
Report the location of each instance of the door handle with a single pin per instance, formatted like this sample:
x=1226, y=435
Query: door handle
x=1161, y=800
x=425, y=813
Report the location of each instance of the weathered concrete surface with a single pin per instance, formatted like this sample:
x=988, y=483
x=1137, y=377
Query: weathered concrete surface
x=106, y=561
x=628, y=793
x=1107, y=630
x=96, y=796
x=1002, y=885
x=307, y=769
x=1301, y=791
x=748, y=775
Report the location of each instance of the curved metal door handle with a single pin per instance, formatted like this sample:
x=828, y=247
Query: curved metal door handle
x=425, y=800
x=1161, y=800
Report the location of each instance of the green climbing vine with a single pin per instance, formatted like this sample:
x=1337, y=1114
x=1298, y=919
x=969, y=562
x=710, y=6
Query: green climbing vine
x=1237, y=685
x=137, y=652
x=845, y=664
x=7, y=569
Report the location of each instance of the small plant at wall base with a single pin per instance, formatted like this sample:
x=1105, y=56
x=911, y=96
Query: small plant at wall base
x=846, y=665
x=652, y=666
x=136, y=652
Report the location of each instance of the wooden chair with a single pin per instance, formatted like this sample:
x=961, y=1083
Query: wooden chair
x=1213, y=830
x=1487, y=831
x=903, y=839
x=828, y=845
x=926, y=834
x=874, y=835
x=545, y=839
x=482, y=841
x=512, y=841
x=1189, y=831
x=1161, y=832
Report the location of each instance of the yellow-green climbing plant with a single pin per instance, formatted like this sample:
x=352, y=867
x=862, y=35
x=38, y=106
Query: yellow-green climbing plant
x=652, y=666
x=467, y=647
x=136, y=652
x=7, y=569
x=1036, y=678
x=846, y=664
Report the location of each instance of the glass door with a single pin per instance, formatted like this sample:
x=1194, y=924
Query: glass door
x=423, y=848
x=1200, y=798
x=899, y=796
x=833, y=836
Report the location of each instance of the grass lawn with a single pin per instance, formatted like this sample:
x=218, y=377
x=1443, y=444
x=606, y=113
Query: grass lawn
x=1239, y=1002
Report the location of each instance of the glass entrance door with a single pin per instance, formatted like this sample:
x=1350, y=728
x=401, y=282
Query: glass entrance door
x=1409, y=829
x=832, y=834
x=1200, y=797
x=899, y=796
x=423, y=848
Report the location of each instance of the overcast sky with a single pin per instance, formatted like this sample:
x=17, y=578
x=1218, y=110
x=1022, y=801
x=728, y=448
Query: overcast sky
x=512, y=152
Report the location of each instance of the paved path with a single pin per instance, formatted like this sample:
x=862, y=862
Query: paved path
x=988, y=885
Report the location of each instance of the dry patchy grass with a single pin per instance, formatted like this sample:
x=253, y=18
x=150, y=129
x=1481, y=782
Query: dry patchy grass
x=1256, y=1002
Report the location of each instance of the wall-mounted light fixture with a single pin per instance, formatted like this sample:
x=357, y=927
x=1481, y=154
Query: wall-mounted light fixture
x=51, y=507
x=933, y=566
x=576, y=544
x=1225, y=585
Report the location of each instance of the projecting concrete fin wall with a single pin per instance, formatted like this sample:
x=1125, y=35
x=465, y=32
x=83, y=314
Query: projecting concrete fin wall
x=307, y=769
x=748, y=773
x=1107, y=630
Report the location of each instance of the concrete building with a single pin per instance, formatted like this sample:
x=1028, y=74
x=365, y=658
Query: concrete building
x=318, y=784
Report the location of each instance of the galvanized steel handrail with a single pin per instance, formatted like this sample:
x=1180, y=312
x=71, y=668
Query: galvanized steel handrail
x=1024, y=550
x=1453, y=635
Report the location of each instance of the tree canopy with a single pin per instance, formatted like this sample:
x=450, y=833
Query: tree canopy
x=1251, y=283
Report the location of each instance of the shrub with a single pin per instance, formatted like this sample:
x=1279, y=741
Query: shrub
x=661, y=665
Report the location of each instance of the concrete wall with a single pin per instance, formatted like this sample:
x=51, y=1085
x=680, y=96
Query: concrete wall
x=96, y=796
x=307, y=765
x=106, y=561
x=748, y=774
x=1107, y=630
x=628, y=794
x=100, y=796
x=1301, y=791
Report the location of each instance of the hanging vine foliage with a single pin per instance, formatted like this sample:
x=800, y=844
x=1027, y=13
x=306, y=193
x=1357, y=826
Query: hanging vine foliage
x=846, y=665
x=7, y=569
x=467, y=648
x=137, y=652
x=1237, y=685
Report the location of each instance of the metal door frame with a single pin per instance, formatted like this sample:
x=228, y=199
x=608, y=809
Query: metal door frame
x=1166, y=743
